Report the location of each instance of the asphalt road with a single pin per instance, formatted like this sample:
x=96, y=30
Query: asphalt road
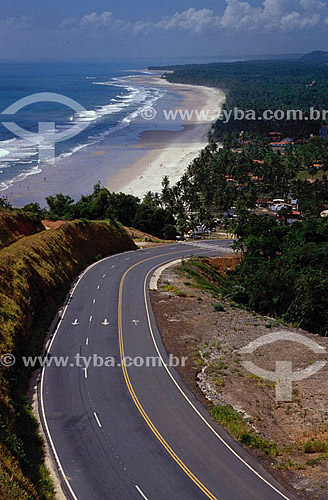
x=132, y=432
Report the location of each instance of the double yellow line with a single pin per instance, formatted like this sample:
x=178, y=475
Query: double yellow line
x=136, y=401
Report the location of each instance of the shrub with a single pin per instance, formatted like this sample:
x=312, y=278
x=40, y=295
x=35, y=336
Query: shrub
x=239, y=428
x=315, y=447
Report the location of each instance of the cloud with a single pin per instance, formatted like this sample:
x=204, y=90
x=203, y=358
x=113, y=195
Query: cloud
x=273, y=15
x=15, y=23
x=239, y=15
x=294, y=20
x=103, y=21
x=240, y=27
x=95, y=19
x=191, y=20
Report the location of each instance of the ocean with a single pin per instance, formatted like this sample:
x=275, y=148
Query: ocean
x=112, y=107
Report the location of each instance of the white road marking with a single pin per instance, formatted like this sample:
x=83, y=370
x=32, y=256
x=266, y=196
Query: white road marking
x=105, y=322
x=90, y=319
x=141, y=492
x=207, y=246
x=128, y=258
x=97, y=419
x=85, y=372
x=190, y=402
x=94, y=301
x=65, y=477
x=75, y=322
x=104, y=275
x=113, y=266
x=41, y=390
x=87, y=341
x=98, y=286
x=135, y=321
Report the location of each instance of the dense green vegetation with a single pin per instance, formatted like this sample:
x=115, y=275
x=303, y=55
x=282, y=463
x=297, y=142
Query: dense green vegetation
x=317, y=56
x=148, y=216
x=284, y=271
x=35, y=275
x=260, y=86
x=221, y=178
x=242, y=430
x=284, y=268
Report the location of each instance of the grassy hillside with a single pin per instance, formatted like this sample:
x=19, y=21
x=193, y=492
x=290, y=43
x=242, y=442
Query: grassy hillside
x=35, y=275
x=15, y=224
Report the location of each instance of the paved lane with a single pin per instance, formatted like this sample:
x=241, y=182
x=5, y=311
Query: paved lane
x=135, y=432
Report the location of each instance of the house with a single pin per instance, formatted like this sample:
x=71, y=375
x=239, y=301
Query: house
x=255, y=178
x=274, y=136
x=260, y=162
x=282, y=144
x=264, y=202
x=290, y=218
x=294, y=204
x=278, y=205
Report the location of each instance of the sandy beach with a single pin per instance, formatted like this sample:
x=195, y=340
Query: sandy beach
x=170, y=152
x=135, y=159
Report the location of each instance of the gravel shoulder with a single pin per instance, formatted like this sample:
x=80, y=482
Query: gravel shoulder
x=192, y=325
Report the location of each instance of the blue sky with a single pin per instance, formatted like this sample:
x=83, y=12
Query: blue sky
x=155, y=30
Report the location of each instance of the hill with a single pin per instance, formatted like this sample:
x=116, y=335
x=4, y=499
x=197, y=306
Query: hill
x=35, y=275
x=16, y=224
x=317, y=56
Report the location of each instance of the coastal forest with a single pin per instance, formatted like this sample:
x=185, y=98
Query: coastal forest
x=263, y=85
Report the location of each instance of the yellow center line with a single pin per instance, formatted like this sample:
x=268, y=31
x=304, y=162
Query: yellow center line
x=135, y=399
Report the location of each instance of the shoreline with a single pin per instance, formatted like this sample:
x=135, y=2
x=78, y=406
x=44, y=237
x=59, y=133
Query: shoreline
x=170, y=153
x=135, y=159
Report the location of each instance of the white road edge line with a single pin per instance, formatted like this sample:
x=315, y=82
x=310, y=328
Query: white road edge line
x=97, y=419
x=190, y=402
x=141, y=492
x=47, y=430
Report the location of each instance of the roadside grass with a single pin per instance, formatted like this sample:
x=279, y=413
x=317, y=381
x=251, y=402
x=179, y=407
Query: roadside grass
x=216, y=368
x=35, y=276
x=315, y=446
x=240, y=429
x=259, y=381
x=175, y=290
x=198, y=360
x=203, y=276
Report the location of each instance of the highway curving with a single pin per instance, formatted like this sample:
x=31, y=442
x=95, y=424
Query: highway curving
x=124, y=430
